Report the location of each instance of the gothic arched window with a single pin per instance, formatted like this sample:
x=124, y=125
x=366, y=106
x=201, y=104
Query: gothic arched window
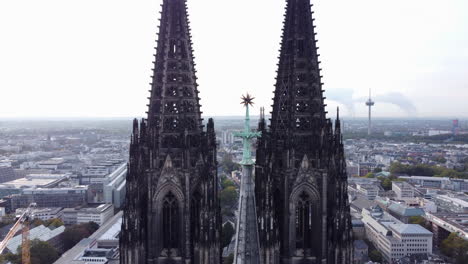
x=170, y=215
x=306, y=223
x=278, y=211
x=195, y=223
x=195, y=216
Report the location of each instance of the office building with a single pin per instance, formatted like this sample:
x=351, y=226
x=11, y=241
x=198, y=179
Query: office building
x=98, y=214
x=402, y=190
x=43, y=214
x=370, y=191
x=393, y=238
x=50, y=197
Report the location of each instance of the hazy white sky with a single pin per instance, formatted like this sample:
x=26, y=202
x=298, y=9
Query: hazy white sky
x=87, y=58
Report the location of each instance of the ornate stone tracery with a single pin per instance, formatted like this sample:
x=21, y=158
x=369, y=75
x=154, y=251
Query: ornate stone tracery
x=300, y=184
x=172, y=213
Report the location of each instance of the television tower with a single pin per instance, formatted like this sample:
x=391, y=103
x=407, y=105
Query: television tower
x=370, y=104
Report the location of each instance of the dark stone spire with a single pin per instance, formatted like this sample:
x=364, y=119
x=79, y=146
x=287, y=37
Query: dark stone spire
x=174, y=103
x=247, y=246
x=298, y=100
x=301, y=183
x=172, y=212
x=174, y=109
x=338, y=122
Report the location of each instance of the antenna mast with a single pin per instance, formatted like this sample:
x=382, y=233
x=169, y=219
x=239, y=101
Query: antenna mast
x=370, y=104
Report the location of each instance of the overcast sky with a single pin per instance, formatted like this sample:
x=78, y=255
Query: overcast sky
x=93, y=58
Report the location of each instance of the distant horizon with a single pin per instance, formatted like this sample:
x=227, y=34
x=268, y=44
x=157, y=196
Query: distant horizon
x=101, y=66
x=112, y=118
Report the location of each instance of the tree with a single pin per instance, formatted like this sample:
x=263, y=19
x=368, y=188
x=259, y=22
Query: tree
x=375, y=256
x=419, y=169
x=456, y=248
x=370, y=175
x=227, y=233
x=439, y=159
x=37, y=222
x=426, y=170
x=226, y=183
x=71, y=236
x=377, y=170
x=418, y=220
x=397, y=168
x=13, y=258
x=74, y=234
x=227, y=164
x=228, y=196
x=41, y=253
x=92, y=226
x=387, y=184
x=54, y=222
x=450, y=173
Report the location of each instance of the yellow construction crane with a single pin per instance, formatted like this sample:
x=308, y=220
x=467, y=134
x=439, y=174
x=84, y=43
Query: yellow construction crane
x=23, y=224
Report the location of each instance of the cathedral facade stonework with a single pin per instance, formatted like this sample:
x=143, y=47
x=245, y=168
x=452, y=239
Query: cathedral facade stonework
x=172, y=211
x=300, y=177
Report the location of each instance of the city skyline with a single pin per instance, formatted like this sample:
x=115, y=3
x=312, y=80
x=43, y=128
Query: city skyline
x=63, y=59
x=109, y=154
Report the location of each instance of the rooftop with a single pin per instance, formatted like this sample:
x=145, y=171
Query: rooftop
x=41, y=232
x=72, y=256
x=95, y=253
x=426, y=178
x=54, y=161
x=113, y=232
x=55, y=190
x=359, y=202
x=40, y=210
x=405, y=210
x=409, y=229
x=455, y=222
x=360, y=244
x=401, y=184
x=367, y=186
x=456, y=200
x=100, y=208
x=46, y=176
x=24, y=183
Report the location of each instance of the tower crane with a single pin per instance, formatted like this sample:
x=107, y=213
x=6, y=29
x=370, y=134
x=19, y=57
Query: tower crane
x=21, y=224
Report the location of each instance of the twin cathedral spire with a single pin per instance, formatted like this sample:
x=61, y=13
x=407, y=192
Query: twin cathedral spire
x=172, y=211
x=300, y=178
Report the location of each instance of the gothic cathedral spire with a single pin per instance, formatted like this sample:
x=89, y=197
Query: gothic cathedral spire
x=172, y=212
x=298, y=100
x=300, y=183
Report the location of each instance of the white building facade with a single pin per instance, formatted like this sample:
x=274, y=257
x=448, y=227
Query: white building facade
x=99, y=214
x=402, y=190
x=394, y=239
x=368, y=190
